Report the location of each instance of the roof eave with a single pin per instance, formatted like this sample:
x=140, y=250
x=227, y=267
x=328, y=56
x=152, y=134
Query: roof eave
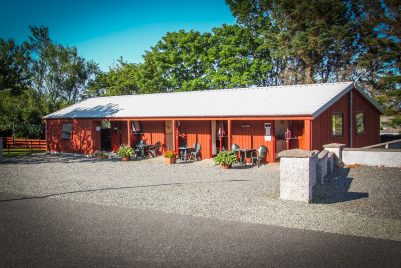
x=333, y=100
x=370, y=99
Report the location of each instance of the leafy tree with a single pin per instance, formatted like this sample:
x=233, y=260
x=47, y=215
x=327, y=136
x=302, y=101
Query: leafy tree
x=310, y=41
x=14, y=61
x=37, y=78
x=230, y=56
x=379, y=61
x=177, y=62
x=58, y=71
x=22, y=114
x=237, y=58
x=121, y=79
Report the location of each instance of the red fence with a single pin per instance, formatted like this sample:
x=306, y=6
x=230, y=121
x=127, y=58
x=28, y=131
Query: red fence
x=31, y=144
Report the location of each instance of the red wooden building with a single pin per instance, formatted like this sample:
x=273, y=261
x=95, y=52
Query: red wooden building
x=280, y=117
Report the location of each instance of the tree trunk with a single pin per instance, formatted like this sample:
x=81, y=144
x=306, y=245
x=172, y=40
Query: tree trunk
x=309, y=70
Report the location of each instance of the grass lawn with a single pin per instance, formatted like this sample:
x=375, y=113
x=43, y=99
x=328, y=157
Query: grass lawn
x=20, y=152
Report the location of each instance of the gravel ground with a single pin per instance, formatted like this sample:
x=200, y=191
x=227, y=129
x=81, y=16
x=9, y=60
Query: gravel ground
x=365, y=201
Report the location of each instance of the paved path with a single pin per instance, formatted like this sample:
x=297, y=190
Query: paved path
x=49, y=232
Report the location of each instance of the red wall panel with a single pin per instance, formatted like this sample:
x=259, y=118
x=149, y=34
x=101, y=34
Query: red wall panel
x=322, y=125
x=198, y=131
x=81, y=141
x=252, y=136
x=153, y=131
x=372, y=122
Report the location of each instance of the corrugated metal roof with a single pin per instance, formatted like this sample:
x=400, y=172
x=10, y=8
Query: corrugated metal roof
x=259, y=101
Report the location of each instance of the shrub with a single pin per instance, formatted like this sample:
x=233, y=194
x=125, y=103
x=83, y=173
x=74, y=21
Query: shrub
x=100, y=154
x=170, y=154
x=125, y=151
x=225, y=158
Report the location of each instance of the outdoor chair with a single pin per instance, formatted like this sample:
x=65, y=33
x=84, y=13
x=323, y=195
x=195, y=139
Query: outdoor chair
x=140, y=149
x=182, y=143
x=261, y=154
x=195, y=153
x=154, y=149
x=235, y=149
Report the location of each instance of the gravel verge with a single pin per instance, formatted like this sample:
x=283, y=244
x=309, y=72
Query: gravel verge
x=365, y=201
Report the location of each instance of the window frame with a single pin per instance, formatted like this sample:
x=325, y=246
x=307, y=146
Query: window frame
x=65, y=131
x=363, y=123
x=342, y=124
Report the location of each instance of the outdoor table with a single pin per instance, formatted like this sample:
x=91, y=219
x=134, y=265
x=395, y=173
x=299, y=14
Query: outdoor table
x=244, y=154
x=184, y=152
x=141, y=148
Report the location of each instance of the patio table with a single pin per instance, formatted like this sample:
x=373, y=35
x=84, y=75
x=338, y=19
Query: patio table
x=184, y=152
x=244, y=154
x=142, y=148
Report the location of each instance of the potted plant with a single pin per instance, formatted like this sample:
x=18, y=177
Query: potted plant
x=100, y=155
x=170, y=157
x=125, y=152
x=226, y=159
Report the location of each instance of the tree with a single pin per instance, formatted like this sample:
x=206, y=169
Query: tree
x=309, y=41
x=38, y=77
x=121, y=79
x=14, y=62
x=379, y=59
x=237, y=58
x=230, y=56
x=58, y=71
x=177, y=62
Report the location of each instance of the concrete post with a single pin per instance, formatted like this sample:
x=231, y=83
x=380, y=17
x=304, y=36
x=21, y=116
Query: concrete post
x=330, y=164
x=322, y=165
x=297, y=174
x=1, y=149
x=337, y=149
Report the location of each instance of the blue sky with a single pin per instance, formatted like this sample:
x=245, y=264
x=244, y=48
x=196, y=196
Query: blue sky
x=104, y=30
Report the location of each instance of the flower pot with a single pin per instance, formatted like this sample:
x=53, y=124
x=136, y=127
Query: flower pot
x=225, y=166
x=170, y=160
x=125, y=158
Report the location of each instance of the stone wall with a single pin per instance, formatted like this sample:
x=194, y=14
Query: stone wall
x=372, y=157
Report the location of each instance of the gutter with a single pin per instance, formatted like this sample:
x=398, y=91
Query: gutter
x=350, y=119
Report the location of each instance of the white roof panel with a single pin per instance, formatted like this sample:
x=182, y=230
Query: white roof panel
x=309, y=100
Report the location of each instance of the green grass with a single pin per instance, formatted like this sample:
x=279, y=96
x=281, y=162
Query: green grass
x=20, y=152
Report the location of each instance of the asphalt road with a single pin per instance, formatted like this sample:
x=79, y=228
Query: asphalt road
x=48, y=232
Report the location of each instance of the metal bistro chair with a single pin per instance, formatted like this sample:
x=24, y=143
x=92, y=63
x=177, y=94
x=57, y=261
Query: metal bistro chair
x=154, y=149
x=182, y=153
x=257, y=159
x=235, y=149
x=195, y=153
x=140, y=149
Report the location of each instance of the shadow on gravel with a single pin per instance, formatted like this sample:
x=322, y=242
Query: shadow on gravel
x=41, y=158
x=49, y=158
x=116, y=188
x=336, y=190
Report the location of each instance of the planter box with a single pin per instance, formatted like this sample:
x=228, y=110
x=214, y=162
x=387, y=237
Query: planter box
x=170, y=160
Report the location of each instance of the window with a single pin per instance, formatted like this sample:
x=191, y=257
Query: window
x=360, y=123
x=67, y=130
x=337, y=124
